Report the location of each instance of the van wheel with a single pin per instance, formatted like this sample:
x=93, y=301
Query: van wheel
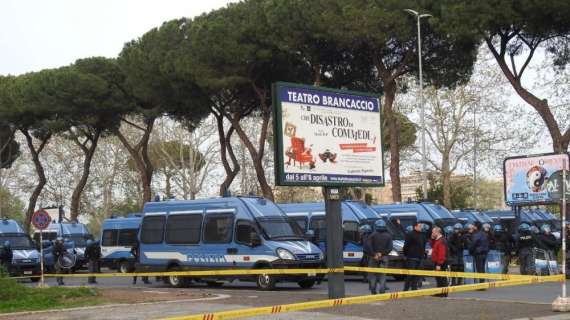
x=214, y=284
x=306, y=284
x=176, y=281
x=266, y=282
x=124, y=267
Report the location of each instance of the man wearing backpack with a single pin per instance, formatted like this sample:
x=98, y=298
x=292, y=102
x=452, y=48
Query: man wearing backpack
x=438, y=257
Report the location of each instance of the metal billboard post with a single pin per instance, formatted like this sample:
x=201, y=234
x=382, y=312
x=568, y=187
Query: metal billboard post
x=562, y=303
x=334, y=244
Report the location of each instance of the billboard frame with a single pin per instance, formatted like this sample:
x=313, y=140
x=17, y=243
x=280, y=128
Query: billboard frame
x=278, y=139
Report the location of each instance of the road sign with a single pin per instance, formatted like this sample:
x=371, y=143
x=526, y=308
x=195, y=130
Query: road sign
x=41, y=219
x=554, y=185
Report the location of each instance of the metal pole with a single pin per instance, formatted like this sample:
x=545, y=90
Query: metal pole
x=474, y=158
x=42, y=283
x=334, y=244
x=422, y=112
x=563, y=214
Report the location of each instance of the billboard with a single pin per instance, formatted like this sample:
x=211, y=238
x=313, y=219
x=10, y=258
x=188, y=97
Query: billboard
x=327, y=137
x=526, y=178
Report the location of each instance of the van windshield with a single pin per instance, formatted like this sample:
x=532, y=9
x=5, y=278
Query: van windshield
x=280, y=228
x=18, y=241
x=438, y=211
x=80, y=240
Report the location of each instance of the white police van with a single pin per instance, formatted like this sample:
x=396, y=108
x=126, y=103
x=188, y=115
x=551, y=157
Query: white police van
x=26, y=258
x=118, y=236
x=225, y=233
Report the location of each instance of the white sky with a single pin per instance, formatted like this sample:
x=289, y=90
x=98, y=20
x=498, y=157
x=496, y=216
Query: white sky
x=39, y=34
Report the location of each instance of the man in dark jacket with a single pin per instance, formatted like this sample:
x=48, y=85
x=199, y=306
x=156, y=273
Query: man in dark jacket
x=478, y=248
x=58, y=252
x=365, y=232
x=525, y=243
x=380, y=247
x=92, y=254
x=547, y=242
x=6, y=256
x=414, y=251
x=504, y=244
x=136, y=254
x=455, y=247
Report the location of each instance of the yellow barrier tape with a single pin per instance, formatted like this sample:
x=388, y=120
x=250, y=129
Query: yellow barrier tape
x=449, y=274
x=233, y=314
x=234, y=272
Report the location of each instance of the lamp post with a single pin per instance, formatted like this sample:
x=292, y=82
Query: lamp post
x=422, y=112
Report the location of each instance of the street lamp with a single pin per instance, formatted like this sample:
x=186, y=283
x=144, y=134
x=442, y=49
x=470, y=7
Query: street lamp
x=422, y=112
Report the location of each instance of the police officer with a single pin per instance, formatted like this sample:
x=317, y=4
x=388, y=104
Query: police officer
x=380, y=247
x=525, y=244
x=455, y=247
x=479, y=247
x=136, y=254
x=502, y=243
x=92, y=254
x=58, y=252
x=547, y=242
x=365, y=231
x=414, y=251
x=6, y=256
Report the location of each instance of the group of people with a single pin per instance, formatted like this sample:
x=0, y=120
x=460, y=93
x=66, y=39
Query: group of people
x=448, y=247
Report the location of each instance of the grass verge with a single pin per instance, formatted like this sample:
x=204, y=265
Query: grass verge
x=15, y=297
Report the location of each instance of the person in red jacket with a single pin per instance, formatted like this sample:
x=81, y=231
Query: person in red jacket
x=438, y=256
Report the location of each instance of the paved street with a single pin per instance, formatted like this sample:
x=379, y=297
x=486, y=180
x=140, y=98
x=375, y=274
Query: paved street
x=504, y=303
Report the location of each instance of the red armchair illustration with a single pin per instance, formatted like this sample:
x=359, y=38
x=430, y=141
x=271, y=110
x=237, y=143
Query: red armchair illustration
x=298, y=153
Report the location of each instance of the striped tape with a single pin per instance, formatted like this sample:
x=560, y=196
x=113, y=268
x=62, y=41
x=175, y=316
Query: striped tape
x=233, y=314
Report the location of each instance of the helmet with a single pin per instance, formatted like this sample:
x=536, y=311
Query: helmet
x=89, y=243
x=457, y=226
x=448, y=230
x=425, y=227
x=486, y=227
x=498, y=228
x=365, y=228
x=534, y=229
x=524, y=227
x=545, y=228
x=468, y=226
x=380, y=225
x=7, y=244
x=409, y=228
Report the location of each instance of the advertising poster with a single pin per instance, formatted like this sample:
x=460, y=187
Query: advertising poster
x=327, y=137
x=527, y=178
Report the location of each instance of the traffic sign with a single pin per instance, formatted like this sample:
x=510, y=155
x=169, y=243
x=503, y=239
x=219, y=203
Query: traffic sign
x=554, y=185
x=41, y=219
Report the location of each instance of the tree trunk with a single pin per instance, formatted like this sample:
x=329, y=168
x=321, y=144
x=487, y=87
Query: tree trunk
x=446, y=181
x=78, y=191
x=35, y=153
x=225, y=148
x=393, y=129
x=139, y=153
x=168, y=187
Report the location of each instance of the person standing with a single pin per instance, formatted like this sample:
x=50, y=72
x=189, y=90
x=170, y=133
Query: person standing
x=478, y=248
x=547, y=242
x=58, y=253
x=525, y=244
x=136, y=254
x=455, y=247
x=365, y=231
x=93, y=254
x=380, y=247
x=504, y=244
x=438, y=257
x=414, y=251
x=6, y=256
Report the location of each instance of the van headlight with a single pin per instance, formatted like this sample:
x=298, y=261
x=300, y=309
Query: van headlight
x=393, y=253
x=285, y=254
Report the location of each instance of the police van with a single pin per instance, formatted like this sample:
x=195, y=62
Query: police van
x=26, y=258
x=225, y=233
x=75, y=236
x=310, y=216
x=406, y=214
x=118, y=236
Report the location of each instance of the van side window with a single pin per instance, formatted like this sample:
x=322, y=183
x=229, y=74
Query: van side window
x=350, y=230
x=152, y=230
x=218, y=228
x=183, y=229
x=243, y=231
x=109, y=238
x=128, y=237
x=301, y=221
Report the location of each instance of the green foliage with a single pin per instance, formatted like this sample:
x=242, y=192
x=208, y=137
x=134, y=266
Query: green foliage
x=11, y=206
x=9, y=147
x=461, y=193
x=407, y=135
x=16, y=297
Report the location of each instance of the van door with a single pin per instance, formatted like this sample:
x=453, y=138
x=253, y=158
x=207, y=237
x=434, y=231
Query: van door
x=217, y=239
x=248, y=245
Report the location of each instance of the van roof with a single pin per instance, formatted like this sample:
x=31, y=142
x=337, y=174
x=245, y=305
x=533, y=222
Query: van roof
x=316, y=208
x=67, y=228
x=10, y=226
x=404, y=209
x=122, y=223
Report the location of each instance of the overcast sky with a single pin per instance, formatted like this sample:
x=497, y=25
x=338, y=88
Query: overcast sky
x=39, y=34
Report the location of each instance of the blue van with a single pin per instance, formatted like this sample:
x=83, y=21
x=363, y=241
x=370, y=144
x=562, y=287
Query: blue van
x=75, y=236
x=118, y=236
x=26, y=258
x=441, y=216
x=472, y=216
x=406, y=213
x=225, y=233
x=310, y=216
